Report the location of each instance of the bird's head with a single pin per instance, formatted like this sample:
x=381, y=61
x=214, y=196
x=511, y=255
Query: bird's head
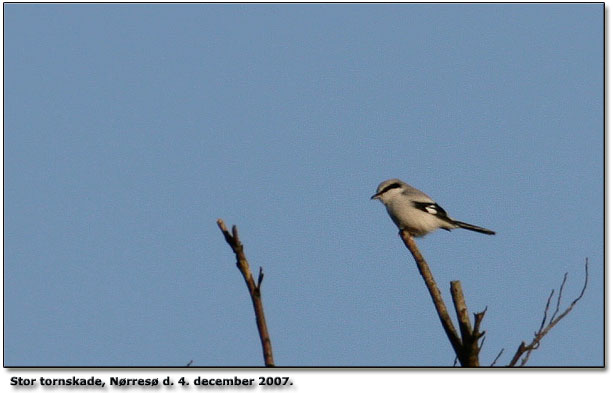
x=389, y=189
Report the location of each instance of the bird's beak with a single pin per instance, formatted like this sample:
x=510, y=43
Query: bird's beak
x=376, y=196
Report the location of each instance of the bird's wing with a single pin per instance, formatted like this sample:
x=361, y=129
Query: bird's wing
x=434, y=209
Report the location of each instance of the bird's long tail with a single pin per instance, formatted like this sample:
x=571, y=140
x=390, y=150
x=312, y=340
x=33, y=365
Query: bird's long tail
x=474, y=228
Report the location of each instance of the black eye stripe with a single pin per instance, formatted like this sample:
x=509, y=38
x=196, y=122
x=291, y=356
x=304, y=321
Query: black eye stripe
x=391, y=186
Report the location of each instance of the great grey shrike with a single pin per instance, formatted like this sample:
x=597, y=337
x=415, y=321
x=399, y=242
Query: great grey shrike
x=416, y=212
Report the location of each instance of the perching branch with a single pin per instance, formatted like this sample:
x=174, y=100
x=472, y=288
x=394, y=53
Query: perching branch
x=525, y=350
x=254, y=289
x=466, y=348
x=435, y=293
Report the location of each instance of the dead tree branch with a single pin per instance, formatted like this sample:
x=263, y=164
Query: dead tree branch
x=470, y=336
x=254, y=289
x=525, y=350
x=466, y=348
x=435, y=293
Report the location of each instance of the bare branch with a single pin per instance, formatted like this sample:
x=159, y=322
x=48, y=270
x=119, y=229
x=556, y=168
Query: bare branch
x=435, y=293
x=254, y=290
x=466, y=348
x=461, y=312
x=525, y=350
x=520, y=350
x=470, y=347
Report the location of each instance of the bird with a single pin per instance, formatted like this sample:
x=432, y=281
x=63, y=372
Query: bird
x=414, y=211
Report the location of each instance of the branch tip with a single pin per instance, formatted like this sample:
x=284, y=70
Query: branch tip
x=222, y=225
x=499, y=353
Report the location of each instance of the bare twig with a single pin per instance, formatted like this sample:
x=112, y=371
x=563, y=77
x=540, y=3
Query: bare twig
x=260, y=278
x=525, y=350
x=546, y=310
x=482, y=342
x=559, y=297
x=254, y=290
x=496, y=359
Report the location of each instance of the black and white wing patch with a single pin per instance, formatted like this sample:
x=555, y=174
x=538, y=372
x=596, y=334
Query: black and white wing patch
x=434, y=209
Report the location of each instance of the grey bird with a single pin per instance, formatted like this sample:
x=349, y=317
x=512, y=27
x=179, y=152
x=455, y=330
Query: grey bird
x=416, y=212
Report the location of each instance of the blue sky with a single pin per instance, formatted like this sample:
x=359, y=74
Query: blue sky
x=129, y=129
